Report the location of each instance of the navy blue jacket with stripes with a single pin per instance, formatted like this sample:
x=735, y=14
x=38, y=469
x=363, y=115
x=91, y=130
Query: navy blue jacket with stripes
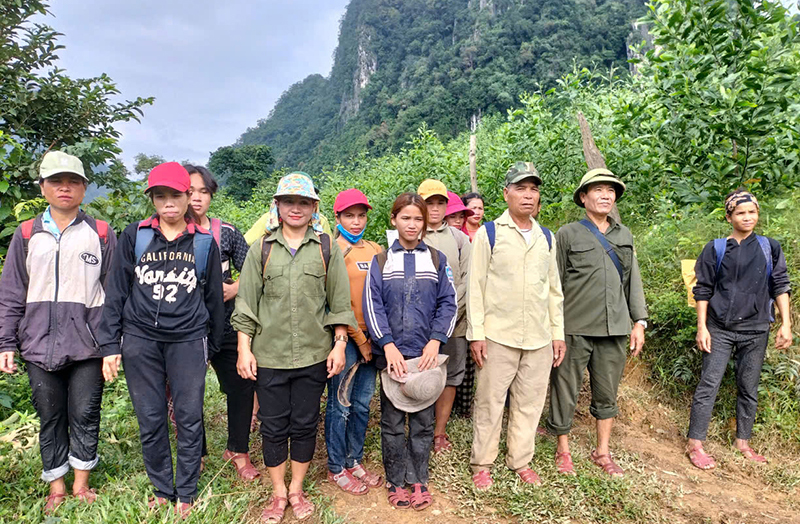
x=410, y=302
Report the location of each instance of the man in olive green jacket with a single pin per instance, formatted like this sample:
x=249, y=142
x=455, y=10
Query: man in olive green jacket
x=603, y=295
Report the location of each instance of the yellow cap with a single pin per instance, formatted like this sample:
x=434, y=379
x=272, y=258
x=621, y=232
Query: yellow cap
x=431, y=187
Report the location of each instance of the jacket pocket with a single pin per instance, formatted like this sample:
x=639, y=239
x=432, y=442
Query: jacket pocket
x=85, y=336
x=275, y=284
x=313, y=283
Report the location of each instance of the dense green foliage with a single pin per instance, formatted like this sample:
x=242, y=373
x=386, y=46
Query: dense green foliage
x=443, y=62
x=241, y=168
x=41, y=108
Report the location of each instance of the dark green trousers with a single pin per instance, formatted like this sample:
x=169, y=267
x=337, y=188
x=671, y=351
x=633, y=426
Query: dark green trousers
x=605, y=359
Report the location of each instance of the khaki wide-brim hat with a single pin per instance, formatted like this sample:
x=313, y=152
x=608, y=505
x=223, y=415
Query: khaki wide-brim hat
x=599, y=174
x=418, y=389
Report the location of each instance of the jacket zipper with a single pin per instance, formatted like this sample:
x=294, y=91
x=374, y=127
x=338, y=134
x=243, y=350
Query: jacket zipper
x=94, y=340
x=54, y=303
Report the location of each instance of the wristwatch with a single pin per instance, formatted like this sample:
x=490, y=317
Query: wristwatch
x=643, y=323
x=340, y=338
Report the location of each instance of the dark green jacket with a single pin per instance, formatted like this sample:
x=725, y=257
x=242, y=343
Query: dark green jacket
x=289, y=311
x=596, y=303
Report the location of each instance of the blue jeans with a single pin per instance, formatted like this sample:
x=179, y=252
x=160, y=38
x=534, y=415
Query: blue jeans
x=346, y=428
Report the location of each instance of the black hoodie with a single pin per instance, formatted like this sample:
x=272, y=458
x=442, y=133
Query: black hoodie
x=159, y=296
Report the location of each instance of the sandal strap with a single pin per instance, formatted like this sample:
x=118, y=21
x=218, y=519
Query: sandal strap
x=482, y=479
x=529, y=476
x=301, y=506
x=610, y=466
x=348, y=482
x=397, y=495
x=273, y=514
x=364, y=475
x=419, y=496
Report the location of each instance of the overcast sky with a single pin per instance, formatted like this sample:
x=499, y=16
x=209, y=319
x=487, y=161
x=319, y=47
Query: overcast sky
x=215, y=68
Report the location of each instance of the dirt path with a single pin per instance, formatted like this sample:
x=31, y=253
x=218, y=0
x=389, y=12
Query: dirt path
x=734, y=493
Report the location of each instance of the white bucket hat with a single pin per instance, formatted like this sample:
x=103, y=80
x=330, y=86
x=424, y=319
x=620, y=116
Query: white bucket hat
x=418, y=389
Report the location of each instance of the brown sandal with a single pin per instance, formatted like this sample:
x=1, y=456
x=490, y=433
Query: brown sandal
x=370, y=479
x=246, y=471
x=348, y=483
x=609, y=466
x=420, y=497
x=273, y=514
x=302, y=508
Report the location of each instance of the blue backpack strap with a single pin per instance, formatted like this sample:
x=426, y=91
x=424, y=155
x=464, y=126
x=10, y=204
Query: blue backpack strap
x=144, y=235
x=766, y=248
x=490, y=232
x=549, y=236
x=719, y=250
x=606, y=246
x=202, y=247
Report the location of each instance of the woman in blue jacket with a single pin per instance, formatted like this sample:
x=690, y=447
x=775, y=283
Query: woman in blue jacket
x=410, y=311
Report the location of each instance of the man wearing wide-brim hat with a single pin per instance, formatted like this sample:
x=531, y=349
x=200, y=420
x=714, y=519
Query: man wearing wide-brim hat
x=603, y=298
x=515, y=326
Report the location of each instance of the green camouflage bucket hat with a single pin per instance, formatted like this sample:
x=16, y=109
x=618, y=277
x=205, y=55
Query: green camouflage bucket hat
x=520, y=171
x=297, y=183
x=599, y=174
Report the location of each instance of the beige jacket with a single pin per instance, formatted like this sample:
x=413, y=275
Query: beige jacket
x=514, y=293
x=456, y=247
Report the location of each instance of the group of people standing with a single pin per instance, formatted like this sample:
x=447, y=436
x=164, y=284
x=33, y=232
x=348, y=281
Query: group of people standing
x=506, y=304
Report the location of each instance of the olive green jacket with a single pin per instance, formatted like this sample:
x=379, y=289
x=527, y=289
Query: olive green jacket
x=596, y=302
x=290, y=308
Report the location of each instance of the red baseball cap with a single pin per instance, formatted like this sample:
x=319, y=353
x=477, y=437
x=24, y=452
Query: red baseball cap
x=348, y=198
x=171, y=175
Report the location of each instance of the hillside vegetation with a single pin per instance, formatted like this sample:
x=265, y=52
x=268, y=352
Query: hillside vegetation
x=444, y=62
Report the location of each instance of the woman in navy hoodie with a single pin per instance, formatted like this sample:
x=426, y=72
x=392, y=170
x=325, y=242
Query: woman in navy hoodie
x=163, y=312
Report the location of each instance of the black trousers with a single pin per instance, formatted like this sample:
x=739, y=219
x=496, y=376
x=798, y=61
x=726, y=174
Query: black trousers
x=239, y=393
x=405, y=460
x=749, y=349
x=148, y=365
x=288, y=408
x=68, y=404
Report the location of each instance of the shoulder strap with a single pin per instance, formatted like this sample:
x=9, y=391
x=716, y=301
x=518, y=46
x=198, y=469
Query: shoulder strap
x=266, y=252
x=102, y=230
x=144, y=235
x=325, y=251
x=381, y=259
x=767, y=250
x=216, y=229
x=491, y=233
x=720, y=244
x=549, y=236
x=434, y=257
x=202, y=248
x=606, y=246
x=26, y=228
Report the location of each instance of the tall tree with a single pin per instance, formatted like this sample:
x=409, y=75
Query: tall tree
x=41, y=108
x=240, y=169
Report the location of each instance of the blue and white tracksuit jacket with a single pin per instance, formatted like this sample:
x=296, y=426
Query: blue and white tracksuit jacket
x=410, y=302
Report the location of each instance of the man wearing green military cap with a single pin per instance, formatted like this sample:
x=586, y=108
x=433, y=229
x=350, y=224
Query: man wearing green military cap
x=603, y=297
x=515, y=325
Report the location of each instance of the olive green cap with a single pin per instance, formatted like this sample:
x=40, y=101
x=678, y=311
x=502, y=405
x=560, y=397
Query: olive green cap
x=599, y=174
x=520, y=171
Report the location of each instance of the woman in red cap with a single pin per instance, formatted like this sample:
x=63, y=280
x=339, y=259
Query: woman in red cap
x=457, y=213
x=163, y=308
x=346, y=426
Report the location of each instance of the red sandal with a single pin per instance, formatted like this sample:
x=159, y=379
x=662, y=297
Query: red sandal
x=564, y=463
x=348, y=483
x=751, y=455
x=607, y=464
x=398, y=497
x=246, y=471
x=529, y=476
x=370, y=479
x=86, y=495
x=420, y=497
x=302, y=508
x=273, y=514
x=700, y=459
x=441, y=444
x=53, y=501
x=482, y=480
x=155, y=502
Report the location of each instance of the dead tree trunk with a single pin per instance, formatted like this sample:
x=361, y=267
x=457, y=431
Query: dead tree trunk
x=594, y=158
x=473, y=165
